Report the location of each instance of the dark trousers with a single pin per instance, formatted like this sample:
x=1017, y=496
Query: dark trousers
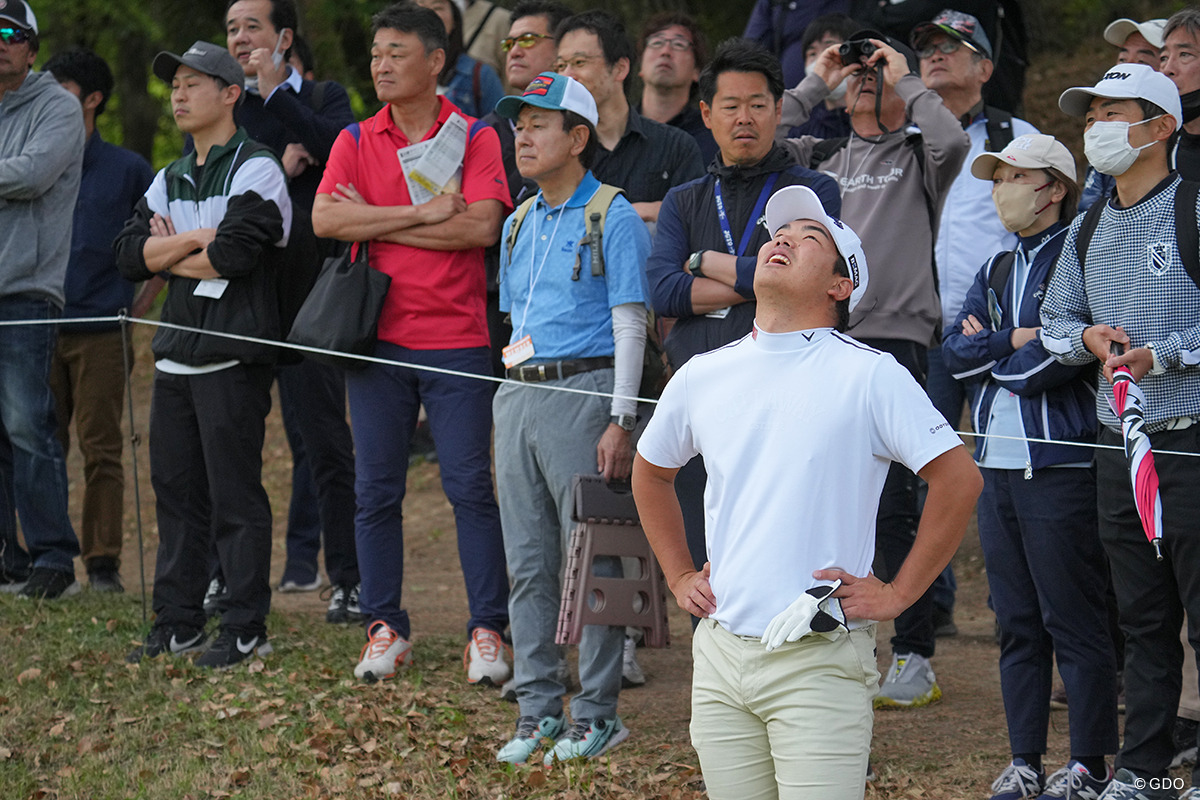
x=206, y=441
x=1152, y=595
x=312, y=400
x=896, y=521
x=1047, y=574
x=384, y=400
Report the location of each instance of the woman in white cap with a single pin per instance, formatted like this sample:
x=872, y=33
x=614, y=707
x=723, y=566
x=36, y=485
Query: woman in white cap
x=1037, y=514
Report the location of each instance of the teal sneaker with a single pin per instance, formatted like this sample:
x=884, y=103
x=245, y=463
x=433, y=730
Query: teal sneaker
x=588, y=738
x=530, y=732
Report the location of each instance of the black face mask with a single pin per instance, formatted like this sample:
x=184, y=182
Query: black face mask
x=1191, y=105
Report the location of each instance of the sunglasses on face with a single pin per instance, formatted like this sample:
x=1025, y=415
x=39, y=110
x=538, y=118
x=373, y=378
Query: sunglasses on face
x=524, y=41
x=945, y=48
x=13, y=35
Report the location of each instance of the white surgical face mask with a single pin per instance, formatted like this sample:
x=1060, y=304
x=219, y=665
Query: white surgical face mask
x=836, y=93
x=276, y=59
x=1107, y=147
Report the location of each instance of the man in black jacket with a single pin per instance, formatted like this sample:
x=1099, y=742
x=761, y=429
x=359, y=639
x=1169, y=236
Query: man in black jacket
x=210, y=221
x=701, y=269
x=299, y=119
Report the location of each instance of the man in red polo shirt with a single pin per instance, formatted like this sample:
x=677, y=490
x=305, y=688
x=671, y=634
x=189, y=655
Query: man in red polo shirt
x=433, y=317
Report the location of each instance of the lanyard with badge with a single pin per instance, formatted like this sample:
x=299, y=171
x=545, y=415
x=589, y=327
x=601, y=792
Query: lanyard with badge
x=747, y=234
x=521, y=350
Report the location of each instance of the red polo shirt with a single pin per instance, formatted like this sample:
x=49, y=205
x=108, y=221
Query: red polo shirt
x=437, y=297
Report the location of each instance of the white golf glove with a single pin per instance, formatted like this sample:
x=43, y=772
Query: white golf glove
x=814, y=610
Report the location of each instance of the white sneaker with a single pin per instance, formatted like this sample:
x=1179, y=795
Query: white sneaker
x=384, y=652
x=487, y=659
x=631, y=670
x=909, y=683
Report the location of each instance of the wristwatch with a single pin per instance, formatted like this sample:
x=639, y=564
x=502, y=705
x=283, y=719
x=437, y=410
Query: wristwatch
x=625, y=422
x=694, y=264
x=1157, y=368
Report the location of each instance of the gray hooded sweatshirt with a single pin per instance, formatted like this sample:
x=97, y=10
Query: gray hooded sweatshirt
x=41, y=156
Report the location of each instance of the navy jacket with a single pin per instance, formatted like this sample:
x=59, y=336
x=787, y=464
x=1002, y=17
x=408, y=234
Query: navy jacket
x=114, y=180
x=688, y=222
x=1057, y=401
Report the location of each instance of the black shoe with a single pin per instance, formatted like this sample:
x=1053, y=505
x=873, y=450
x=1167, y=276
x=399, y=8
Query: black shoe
x=215, y=598
x=232, y=647
x=943, y=622
x=343, y=605
x=1185, y=742
x=49, y=584
x=166, y=639
x=107, y=581
x=12, y=584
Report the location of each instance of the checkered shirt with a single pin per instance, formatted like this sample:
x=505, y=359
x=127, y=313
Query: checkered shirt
x=1134, y=279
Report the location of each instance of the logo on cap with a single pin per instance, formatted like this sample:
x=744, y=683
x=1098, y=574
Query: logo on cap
x=194, y=51
x=1021, y=143
x=1115, y=76
x=852, y=262
x=539, y=86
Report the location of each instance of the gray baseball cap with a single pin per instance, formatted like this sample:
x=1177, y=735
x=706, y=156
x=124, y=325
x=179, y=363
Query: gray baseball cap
x=206, y=57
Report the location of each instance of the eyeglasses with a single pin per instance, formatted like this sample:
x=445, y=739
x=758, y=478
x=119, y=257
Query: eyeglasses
x=577, y=63
x=14, y=35
x=659, y=42
x=524, y=41
x=945, y=48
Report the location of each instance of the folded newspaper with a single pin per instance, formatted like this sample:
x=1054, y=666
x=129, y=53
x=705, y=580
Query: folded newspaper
x=434, y=166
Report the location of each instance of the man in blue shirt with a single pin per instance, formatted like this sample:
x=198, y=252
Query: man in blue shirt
x=577, y=330
x=90, y=362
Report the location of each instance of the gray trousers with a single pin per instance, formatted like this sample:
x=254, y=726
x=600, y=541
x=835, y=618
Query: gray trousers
x=543, y=439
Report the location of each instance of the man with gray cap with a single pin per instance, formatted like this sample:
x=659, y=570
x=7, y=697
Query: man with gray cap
x=785, y=655
x=214, y=222
x=1126, y=282
x=41, y=156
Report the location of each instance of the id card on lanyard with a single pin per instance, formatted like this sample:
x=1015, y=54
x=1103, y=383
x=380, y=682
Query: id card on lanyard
x=747, y=234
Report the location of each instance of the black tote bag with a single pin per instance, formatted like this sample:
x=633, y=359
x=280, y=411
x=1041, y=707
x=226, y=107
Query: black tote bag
x=342, y=311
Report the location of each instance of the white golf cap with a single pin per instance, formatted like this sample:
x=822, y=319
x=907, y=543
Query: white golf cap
x=800, y=202
x=1034, y=150
x=1152, y=29
x=1126, y=82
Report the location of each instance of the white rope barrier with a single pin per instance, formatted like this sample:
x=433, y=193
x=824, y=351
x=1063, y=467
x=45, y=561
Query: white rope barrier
x=123, y=318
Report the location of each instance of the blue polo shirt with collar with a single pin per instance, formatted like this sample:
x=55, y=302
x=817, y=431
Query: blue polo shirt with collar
x=570, y=317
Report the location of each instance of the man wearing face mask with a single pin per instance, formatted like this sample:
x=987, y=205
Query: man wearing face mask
x=1181, y=63
x=829, y=119
x=1134, y=290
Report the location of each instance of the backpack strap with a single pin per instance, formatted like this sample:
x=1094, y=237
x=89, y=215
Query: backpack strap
x=518, y=217
x=1187, y=236
x=317, y=100
x=596, y=213
x=824, y=149
x=1083, y=237
x=476, y=89
x=1001, y=270
x=479, y=29
x=999, y=129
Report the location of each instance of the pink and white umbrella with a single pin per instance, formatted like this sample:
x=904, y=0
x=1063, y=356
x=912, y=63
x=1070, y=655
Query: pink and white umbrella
x=1129, y=404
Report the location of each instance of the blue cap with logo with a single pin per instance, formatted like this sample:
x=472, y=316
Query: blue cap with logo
x=552, y=91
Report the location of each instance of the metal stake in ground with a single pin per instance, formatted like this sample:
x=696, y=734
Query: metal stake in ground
x=123, y=318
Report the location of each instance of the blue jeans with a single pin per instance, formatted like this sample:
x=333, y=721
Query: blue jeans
x=33, y=473
x=384, y=401
x=543, y=439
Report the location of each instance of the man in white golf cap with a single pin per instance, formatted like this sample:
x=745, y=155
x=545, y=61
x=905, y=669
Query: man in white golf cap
x=795, y=415
x=1136, y=42
x=1126, y=276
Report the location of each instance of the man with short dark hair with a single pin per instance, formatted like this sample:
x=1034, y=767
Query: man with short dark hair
x=91, y=360
x=1128, y=290
x=577, y=330
x=211, y=220
x=41, y=150
x=643, y=157
x=797, y=423
x=433, y=317
x=700, y=274
x=893, y=185
x=1181, y=63
x=673, y=53
x=299, y=120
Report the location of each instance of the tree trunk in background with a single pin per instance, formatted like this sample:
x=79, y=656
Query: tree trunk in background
x=139, y=110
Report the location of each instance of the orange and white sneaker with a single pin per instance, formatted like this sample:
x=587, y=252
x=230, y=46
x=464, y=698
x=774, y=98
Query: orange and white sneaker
x=487, y=658
x=384, y=653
